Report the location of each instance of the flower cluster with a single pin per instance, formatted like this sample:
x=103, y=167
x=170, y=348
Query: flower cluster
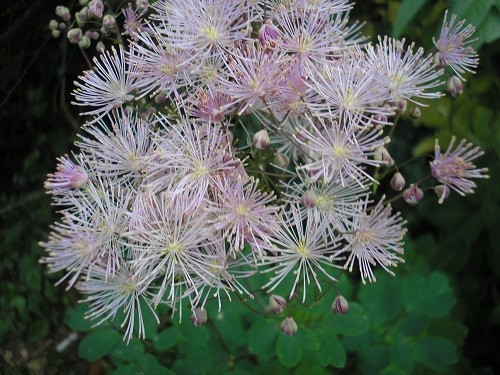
x=166, y=203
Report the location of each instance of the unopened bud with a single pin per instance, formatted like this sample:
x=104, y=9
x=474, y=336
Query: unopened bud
x=109, y=22
x=382, y=155
x=63, y=12
x=141, y=5
x=55, y=33
x=199, y=317
x=53, y=25
x=379, y=119
x=415, y=113
x=413, y=195
x=281, y=160
x=288, y=326
x=308, y=199
x=277, y=304
x=94, y=35
x=160, y=98
x=268, y=35
x=261, y=140
x=100, y=47
x=401, y=105
x=454, y=86
x=442, y=192
x=74, y=35
x=83, y=2
x=62, y=26
x=397, y=181
x=84, y=42
x=340, y=306
x=96, y=8
x=83, y=14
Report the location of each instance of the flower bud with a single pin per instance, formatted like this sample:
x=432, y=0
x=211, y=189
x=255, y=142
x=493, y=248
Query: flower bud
x=379, y=119
x=74, y=35
x=141, y=5
x=63, y=12
x=108, y=22
x=442, y=192
x=382, y=155
x=56, y=33
x=288, y=326
x=53, y=24
x=397, y=181
x=277, y=304
x=268, y=35
x=83, y=2
x=415, y=113
x=84, y=14
x=100, y=47
x=308, y=199
x=401, y=105
x=84, y=42
x=454, y=86
x=96, y=8
x=261, y=140
x=199, y=317
x=94, y=35
x=281, y=160
x=413, y=195
x=62, y=26
x=340, y=305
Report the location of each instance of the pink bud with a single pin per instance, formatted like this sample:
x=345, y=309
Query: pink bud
x=277, y=304
x=74, y=35
x=199, y=317
x=63, y=12
x=415, y=113
x=413, y=195
x=268, y=35
x=261, y=140
x=308, y=199
x=340, y=306
x=454, y=86
x=288, y=326
x=96, y=8
x=397, y=181
x=442, y=192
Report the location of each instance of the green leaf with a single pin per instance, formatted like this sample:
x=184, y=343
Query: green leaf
x=354, y=323
x=98, y=343
x=149, y=365
x=288, y=350
x=167, y=338
x=261, y=338
x=374, y=359
x=128, y=352
x=75, y=318
x=383, y=300
x=414, y=324
x=124, y=370
x=407, y=10
x=308, y=339
x=429, y=295
x=435, y=352
x=402, y=355
x=331, y=351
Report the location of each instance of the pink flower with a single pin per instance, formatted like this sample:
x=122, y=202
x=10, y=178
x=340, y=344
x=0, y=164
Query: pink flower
x=452, y=47
x=454, y=168
x=374, y=237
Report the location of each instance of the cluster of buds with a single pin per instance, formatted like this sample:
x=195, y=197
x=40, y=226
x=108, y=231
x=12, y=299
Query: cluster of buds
x=95, y=21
